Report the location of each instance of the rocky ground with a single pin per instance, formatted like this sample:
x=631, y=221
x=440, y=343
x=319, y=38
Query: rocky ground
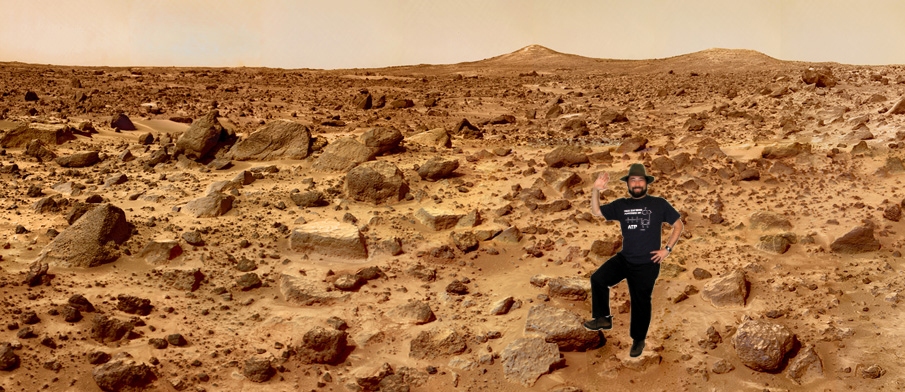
x=427, y=228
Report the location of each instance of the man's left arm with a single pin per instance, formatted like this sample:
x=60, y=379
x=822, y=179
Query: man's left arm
x=660, y=255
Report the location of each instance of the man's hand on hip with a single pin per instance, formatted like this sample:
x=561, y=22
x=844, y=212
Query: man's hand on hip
x=659, y=255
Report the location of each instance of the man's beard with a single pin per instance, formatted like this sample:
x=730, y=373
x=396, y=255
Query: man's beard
x=638, y=191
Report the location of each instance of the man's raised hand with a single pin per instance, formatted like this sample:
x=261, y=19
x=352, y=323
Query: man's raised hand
x=602, y=180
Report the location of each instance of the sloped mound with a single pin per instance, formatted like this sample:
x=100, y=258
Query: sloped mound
x=717, y=59
x=537, y=55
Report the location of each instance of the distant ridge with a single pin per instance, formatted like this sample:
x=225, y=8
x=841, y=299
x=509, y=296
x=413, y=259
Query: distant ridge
x=545, y=60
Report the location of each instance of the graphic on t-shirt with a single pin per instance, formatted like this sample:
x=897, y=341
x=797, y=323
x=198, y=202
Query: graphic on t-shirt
x=637, y=217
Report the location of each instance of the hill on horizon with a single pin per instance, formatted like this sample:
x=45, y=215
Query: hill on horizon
x=538, y=58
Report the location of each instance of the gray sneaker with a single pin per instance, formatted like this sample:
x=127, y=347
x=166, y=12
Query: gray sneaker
x=599, y=323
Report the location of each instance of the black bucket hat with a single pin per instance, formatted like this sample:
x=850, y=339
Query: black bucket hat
x=638, y=169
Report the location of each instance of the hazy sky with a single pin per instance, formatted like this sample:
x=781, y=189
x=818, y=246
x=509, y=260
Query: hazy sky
x=378, y=33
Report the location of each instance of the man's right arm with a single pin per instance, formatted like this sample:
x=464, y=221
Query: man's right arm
x=595, y=203
x=599, y=185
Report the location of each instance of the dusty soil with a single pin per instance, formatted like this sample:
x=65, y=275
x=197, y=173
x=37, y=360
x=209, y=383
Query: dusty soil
x=843, y=305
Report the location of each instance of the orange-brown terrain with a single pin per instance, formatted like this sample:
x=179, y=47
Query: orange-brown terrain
x=427, y=228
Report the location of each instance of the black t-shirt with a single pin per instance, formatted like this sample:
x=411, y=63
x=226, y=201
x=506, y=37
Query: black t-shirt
x=641, y=220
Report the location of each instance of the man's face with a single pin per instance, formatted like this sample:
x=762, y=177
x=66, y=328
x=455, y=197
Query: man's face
x=637, y=186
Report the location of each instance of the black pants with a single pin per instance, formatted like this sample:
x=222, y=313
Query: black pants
x=640, y=279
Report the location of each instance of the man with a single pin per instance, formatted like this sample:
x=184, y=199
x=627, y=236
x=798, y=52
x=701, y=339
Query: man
x=640, y=217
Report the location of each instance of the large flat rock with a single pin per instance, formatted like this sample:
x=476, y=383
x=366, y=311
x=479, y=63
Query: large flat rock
x=329, y=238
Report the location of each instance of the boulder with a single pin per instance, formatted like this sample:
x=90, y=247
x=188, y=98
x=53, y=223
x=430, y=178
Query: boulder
x=348, y=282
x=663, y=165
x=576, y=127
x=572, y=289
x=728, y=290
x=437, y=342
x=526, y=359
x=210, y=206
x=413, y=312
x=106, y=330
x=437, y=168
x=36, y=274
x=305, y=291
x=554, y=206
x=160, y=252
x=38, y=149
x=279, y=139
x=363, y=101
x=79, y=159
x=46, y=204
x=376, y=182
x=893, y=212
x=201, y=137
x=722, y=366
x=632, y=144
x=503, y=119
x=329, y=238
x=785, y=150
x=898, y=108
x=467, y=130
x=258, y=369
x=502, y=306
x=49, y=134
x=307, y=199
x=431, y=138
x=819, y=76
x=766, y=221
x=553, y=111
x=763, y=345
x=560, y=179
x=511, y=234
x=81, y=303
x=806, y=367
x=145, y=139
x=91, y=241
x=437, y=219
x=693, y=125
x=133, y=305
x=566, y=156
x=647, y=360
x=320, y=345
x=342, y=155
x=380, y=102
x=122, y=122
x=183, y=279
x=381, y=140
x=123, y=373
x=9, y=360
x=777, y=243
x=379, y=378
x=562, y=327
x=401, y=103
x=610, y=116
x=858, y=240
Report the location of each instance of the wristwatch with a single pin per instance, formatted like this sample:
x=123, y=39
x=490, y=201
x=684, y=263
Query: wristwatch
x=668, y=249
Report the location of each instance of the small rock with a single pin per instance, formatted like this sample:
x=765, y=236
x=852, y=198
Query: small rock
x=133, y=305
x=176, y=339
x=258, y=369
x=248, y=281
x=729, y=290
x=526, y=359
